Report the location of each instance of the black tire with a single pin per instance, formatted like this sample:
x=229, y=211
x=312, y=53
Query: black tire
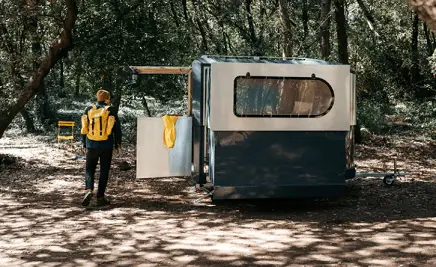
x=389, y=180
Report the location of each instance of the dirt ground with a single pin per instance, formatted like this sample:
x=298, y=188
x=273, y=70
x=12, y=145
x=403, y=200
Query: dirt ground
x=153, y=222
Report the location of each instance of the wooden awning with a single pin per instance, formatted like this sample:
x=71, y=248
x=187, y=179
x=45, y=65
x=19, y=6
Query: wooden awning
x=160, y=70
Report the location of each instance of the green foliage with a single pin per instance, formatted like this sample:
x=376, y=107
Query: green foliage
x=371, y=114
x=420, y=115
x=392, y=64
x=406, y=117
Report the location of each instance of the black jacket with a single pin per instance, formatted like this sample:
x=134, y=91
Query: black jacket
x=114, y=139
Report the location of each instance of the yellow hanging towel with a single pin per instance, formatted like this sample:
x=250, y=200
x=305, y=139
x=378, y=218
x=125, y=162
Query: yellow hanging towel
x=169, y=136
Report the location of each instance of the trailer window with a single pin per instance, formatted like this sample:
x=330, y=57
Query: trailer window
x=282, y=97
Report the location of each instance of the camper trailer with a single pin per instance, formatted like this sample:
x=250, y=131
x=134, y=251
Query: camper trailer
x=258, y=128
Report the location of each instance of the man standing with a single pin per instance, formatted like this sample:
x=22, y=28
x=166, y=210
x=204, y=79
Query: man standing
x=101, y=132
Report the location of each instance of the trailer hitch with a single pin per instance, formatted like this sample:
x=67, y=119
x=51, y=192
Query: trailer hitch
x=388, y=178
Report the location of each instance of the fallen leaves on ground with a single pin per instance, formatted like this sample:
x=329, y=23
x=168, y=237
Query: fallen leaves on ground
x=153, y=222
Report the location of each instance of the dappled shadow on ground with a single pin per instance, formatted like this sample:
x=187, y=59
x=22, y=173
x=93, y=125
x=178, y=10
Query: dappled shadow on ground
x=50, y=229
x=153, y=222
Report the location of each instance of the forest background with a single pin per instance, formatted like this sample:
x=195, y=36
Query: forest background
x=55, y=55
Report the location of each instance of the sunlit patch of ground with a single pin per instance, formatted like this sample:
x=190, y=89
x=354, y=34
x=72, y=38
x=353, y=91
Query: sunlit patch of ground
x=153, y=222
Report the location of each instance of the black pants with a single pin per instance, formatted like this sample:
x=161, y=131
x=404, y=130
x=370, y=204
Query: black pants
x=92, y=157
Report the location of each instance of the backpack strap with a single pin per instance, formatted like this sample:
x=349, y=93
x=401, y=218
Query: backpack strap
x=92, y=122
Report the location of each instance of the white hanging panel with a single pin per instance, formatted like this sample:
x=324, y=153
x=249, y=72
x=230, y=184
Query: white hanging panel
x=154, y=159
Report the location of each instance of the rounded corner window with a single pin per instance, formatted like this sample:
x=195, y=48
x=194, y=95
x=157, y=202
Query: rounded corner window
x=257, y=96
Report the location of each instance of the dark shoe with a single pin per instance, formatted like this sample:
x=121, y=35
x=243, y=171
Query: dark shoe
x=87, y=199
x=102, y=201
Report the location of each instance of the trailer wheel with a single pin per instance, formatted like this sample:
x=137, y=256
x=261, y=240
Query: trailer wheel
x=389, y=180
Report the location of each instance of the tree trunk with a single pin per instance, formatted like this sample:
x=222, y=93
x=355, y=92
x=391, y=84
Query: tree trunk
x=430, y=48
x=118, y=92
x=145, y=104
x=28, y=120
x=433, y=37
x=325, y=29
x=204, y=47
x=58, y=49
x=415, y=76
x=174, y=14
x=414, y=50
x=36, y=47
x=224, y=39
x=369, y=18
x=61, y=78
x=46, y=117
x=287, y=29
x=43, y=114
x=305, y=18
x=185, y=10
x=32, y=23
x=341, y=30
x=256, y=46
x=77, y=91
x=201, y=27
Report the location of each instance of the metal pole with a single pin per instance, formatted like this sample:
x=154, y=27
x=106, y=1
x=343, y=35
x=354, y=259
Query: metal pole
x=190, y=93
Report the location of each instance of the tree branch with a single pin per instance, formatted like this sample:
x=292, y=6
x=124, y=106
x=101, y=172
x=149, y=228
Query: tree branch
x=369, y=18
x=58, y=49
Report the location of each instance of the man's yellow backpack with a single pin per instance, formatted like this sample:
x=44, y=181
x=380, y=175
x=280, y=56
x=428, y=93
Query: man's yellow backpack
x=98, y=124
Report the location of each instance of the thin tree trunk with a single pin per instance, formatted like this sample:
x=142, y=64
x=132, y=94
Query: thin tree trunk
x=256, y=46
x=77, y=91
x=48, y=116
x=118, y=92
x=174, y=14
x=42, y=100
x=185, y=9
x=325, y=29
x=32, y=22
x=287, y=29
x=305, y=18
x=58, y=49
x=414, y=50
x=286, y=94
x=341, y=29
x=145, y=104
x=433, y=37
x=28, y=120
x=430, y=48
x=261, y=22
x=61, y=78
x=224, y=39
x=199, y=23
x=368, y=15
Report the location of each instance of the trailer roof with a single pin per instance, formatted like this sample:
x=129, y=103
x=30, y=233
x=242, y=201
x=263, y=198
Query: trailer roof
x=255, y=59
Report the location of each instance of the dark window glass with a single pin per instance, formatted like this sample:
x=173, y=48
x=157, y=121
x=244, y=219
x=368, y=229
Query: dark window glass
x=282, y=97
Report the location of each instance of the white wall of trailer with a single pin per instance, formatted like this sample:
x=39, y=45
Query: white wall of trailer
x=222, y=117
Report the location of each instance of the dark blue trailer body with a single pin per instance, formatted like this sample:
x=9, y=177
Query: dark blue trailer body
x=265, y=163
